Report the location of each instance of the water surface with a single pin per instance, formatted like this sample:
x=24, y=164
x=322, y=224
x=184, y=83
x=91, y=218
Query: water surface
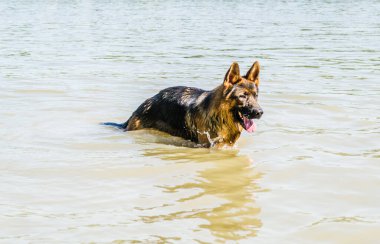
x=309, y=174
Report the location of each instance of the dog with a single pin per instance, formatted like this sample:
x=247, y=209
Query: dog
x=213, y=118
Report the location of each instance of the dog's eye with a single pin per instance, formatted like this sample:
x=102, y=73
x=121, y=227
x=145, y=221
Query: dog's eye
x=242, y=96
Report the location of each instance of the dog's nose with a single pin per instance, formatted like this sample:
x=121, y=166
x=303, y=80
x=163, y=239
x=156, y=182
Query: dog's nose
x=258, y=113
x=261, y=112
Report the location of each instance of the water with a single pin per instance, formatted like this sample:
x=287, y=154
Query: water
x=309, y=174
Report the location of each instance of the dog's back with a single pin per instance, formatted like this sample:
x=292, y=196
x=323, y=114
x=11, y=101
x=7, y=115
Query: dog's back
x=167, y=111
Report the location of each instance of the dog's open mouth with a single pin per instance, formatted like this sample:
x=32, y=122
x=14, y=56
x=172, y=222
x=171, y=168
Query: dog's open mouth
x=248, y=124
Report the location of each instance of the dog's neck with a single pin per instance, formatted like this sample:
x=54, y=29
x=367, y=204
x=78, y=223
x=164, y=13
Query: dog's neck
x=217, y=119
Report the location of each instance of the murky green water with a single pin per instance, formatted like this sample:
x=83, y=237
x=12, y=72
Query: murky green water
x=311, y=173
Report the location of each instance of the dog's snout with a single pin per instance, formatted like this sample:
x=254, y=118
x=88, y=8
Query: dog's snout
x=261, y=112
x=257, y=113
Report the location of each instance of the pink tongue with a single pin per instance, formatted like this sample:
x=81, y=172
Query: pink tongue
x=249, y=125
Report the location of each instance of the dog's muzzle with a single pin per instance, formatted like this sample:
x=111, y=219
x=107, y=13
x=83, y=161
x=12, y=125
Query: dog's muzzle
x=252, y=113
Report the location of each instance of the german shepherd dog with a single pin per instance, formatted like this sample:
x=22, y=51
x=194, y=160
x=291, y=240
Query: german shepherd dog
x=208, y=118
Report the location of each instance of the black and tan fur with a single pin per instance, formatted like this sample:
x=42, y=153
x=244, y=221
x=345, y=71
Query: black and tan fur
x=208, y=118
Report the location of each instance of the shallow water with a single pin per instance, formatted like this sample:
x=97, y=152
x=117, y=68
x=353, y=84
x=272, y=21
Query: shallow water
x=310, y=173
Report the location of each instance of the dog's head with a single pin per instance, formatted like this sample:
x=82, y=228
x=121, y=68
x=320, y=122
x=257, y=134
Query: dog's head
x=241, y=93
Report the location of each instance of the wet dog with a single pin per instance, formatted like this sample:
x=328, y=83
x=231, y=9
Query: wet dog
x=208, y=118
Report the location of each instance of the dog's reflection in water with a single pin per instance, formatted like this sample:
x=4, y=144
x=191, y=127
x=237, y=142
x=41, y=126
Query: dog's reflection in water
x=222, y=193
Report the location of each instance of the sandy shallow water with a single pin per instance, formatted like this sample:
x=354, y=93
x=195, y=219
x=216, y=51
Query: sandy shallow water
x=311, y=173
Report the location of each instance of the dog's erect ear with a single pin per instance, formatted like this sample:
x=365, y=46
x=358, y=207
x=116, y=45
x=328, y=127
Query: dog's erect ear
x=232, y=75
x=253, y=73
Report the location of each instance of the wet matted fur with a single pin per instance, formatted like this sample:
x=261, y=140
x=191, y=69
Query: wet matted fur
x=208, y=118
